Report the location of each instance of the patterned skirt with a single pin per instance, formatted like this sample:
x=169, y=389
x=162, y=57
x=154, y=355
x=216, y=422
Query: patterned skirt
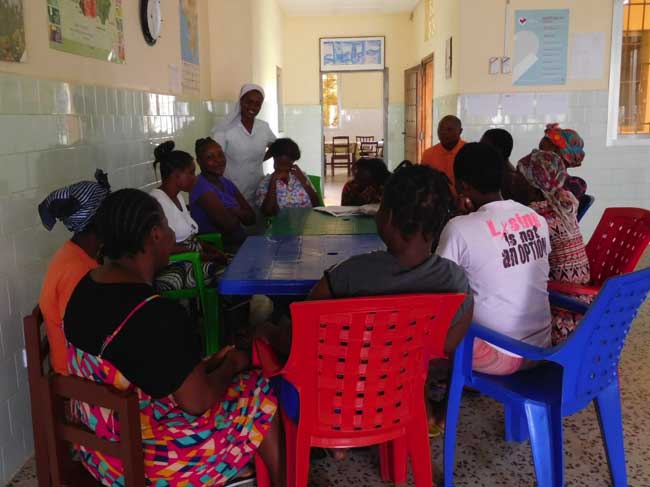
x=180, y=450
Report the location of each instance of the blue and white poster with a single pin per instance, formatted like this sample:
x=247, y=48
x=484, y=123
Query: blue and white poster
x=541, y=45
x=352, y=54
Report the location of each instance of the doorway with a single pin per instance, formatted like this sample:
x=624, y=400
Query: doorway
x=418, y=109
x=354, y=113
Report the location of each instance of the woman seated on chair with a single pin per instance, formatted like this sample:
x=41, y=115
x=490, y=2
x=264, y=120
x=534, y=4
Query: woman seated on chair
x=75, y=206
x=370, y=176
x=215, y=202
x=177, y=174
x=287, y=186
x=567, y=144
x=202, y=420
x=543, y=183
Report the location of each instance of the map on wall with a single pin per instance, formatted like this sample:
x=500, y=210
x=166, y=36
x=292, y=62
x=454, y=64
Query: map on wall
x=352, y=53
x=189, y=17
x=541, y=45
x=12, y=31
x=91, y=28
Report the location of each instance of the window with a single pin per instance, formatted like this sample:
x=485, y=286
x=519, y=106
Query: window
x=634, y=95
x=331, y=100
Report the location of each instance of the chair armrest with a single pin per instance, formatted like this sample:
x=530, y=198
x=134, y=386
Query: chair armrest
x=213, y=238
x=567, y=303
x=572, y=289
x=512, y=345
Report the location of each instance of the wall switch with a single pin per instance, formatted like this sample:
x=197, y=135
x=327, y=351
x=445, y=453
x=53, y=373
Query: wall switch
x=495, y=65
x=506, y=65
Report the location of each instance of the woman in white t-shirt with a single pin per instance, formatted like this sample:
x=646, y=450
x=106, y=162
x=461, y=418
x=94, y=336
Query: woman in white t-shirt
x=177, y=171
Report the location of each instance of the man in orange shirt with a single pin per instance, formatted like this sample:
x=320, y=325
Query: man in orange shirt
x=441, y=156
x=75, y=206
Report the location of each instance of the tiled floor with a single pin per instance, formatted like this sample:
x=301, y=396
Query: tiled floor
x=484, y=459
x=334, y=185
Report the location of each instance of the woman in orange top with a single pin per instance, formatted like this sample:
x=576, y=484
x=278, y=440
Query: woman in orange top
x=75, y=206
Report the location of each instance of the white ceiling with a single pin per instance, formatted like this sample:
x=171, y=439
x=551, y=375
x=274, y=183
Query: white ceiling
x=343, y=7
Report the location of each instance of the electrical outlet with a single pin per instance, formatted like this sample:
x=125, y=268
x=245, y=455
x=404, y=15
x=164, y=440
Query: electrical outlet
x=24, y=358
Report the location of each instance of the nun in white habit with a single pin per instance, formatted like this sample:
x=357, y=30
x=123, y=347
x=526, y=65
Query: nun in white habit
x=244, y=140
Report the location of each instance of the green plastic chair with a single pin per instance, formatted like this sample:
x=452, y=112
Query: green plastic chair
x=208, y=297
x=316, y=182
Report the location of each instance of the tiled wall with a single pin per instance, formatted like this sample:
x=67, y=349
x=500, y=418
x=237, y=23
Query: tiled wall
x=616, y=176
x=53, y=134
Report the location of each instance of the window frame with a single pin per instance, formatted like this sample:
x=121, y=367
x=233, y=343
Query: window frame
x=613, y=136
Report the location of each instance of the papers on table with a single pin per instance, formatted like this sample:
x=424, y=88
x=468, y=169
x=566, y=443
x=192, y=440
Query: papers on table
x=348, y=210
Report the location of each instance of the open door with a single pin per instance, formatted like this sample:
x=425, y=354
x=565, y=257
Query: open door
x=418, y=109
x=411, y=114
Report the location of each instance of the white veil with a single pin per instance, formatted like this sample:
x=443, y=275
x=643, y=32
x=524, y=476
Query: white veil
x=233, y=118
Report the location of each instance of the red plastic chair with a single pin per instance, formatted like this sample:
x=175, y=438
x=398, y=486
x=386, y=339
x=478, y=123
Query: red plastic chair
x=615, y=248
x=359, y=366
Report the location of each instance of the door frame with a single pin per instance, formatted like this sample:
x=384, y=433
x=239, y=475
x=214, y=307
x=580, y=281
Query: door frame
x=422, y=144
x=385, y=82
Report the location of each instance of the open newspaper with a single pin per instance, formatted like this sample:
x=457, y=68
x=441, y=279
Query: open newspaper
x=349, y=210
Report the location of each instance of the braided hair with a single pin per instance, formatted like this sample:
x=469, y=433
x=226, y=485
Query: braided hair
x=201, y=145
x=419, y=199
x=124, y=220
x=170, y=160
x=376, y=168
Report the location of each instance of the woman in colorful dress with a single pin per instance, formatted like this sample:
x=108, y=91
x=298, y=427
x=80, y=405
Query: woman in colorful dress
x=367, y=187
x=202, y=419
x=567, y=144
x=544, y=174
x=177, y=171
x=287, y=186
x=216, y=203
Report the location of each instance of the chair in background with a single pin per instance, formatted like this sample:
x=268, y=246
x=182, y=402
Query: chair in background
x=53, y=434
x=341, y=153
x=582, y=370
x=208, y=297
x=585, y=203
x=316, y=183
x=369, y=149
x=615, y=248
x=364, y=138
x=359, y=366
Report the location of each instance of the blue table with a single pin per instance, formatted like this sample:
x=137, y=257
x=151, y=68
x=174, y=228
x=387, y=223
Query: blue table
x=290, y=266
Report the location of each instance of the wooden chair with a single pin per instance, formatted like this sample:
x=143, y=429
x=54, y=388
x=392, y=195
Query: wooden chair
x=51, y=395
x=365, y=138
x=341, y=153
x=369, y=149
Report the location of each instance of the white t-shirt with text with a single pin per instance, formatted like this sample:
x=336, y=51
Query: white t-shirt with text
x=503, y=248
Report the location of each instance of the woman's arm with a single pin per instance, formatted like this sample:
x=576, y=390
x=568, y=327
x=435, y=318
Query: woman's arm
x=245, y=212
x=218, y=213
x=457, y=333
x=320, y=291
x=311, y=192
x=270, y=204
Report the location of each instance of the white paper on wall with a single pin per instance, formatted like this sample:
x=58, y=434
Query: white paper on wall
x=587, y=55
x=518, y=104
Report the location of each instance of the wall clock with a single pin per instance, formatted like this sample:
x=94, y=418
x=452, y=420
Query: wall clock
x=151, y=20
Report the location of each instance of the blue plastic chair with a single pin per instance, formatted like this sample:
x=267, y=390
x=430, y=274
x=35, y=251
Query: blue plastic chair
x=585, y=203
x=573, y=374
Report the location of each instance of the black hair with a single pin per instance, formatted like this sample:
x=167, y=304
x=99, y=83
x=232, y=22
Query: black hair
x=123, y=221
x=501, y=140
x=419, y=199
x=376, y=167
x=170, y=160
x=403, y=164
x=481, y=166
x=284, y=147
x=201, y=145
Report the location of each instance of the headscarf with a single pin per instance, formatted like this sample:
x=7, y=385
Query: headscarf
x=569, y=142
x=233, y=118
x=75, y=205
x=546, y=171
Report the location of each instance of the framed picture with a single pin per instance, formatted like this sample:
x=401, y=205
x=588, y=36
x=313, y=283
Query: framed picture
x=352, y=53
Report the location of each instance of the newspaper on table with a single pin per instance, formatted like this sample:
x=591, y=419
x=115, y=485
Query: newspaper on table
x=340, y=211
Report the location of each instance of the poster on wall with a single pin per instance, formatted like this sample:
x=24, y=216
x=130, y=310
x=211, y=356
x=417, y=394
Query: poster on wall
x=541, y=44
x=12, y=31
x=189, y=18
x=91, y=28
x=352, y=53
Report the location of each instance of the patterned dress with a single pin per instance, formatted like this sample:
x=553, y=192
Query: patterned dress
x=180, y=450
x=568, y=263
x=291, y=194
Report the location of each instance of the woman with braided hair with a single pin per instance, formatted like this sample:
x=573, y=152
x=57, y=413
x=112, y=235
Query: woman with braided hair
x=202, y=419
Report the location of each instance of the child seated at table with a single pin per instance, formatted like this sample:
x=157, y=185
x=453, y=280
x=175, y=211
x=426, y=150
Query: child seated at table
x=503, y=246
x=370, y=176
x=287, y=186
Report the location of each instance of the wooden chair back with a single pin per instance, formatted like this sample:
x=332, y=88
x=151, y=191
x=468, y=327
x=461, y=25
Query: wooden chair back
x=369, y=149
x=365, y=138
x=54, y=431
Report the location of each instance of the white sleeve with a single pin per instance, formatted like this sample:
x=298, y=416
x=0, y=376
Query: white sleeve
x=452, y=246
x=220, y=138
